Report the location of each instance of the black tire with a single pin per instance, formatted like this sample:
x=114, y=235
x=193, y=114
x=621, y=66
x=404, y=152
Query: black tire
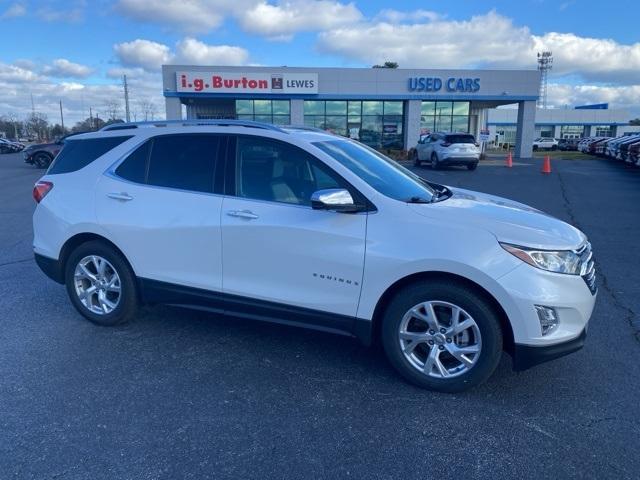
x=535, y=147
x=416, y=160
x=128, y=304
x=460, y=295
x=434, y=161
x=472, y=166
x=554, y=148
x=42, y=160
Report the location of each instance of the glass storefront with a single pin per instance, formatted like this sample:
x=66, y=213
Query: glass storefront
x=602, y=131
x=571, y=131
x=375, y=123
x=544, y=131
x=444, y=117
x=277, y=112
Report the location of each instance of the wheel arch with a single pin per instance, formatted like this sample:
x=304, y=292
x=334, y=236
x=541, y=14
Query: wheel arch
x=389, y=293
x=80, y=238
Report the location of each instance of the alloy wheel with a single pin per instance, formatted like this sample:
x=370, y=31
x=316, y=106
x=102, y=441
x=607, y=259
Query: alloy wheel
x=97, y=285
x=440, y=339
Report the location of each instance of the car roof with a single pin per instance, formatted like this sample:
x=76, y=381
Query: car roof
x=149, y=129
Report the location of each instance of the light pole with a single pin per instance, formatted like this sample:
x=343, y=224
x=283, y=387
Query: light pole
x=545, y=63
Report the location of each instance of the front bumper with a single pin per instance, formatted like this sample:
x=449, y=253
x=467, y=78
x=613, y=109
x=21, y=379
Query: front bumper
x=527, y=356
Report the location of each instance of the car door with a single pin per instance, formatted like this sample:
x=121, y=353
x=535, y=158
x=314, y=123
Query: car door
x=159, y=206
x=277, y=249
x=421, y=146
x=427, y=148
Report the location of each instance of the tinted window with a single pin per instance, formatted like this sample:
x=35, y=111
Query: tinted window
x=278, y=172
x=134, y=167
x=77, y=154
x=382, y=173
x=460, y=139
x=186, y=162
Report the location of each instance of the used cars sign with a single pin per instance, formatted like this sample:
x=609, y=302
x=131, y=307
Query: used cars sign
x=238, y=82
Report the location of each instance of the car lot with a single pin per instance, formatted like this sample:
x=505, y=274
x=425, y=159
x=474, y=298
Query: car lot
x=192, y=395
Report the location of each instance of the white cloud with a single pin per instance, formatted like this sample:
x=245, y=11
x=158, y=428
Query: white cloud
x=143, y=53
x=17, y=74
x=70, y=12
x=62, y=67
x=490, y=40
x=192, y=16
x=13, y=11
x=192, y=51
x=282, y=20
x=625, y=97
x=150, y=55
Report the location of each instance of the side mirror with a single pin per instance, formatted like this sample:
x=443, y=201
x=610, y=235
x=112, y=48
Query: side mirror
x=334, y=199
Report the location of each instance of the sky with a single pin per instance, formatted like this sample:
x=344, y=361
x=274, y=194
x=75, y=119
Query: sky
x=76, y=51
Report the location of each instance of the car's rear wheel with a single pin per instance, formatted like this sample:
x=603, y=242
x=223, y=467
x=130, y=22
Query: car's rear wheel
x=416, y=160
x=42, y=160
x=535, y=147
x=100, y=284
x=442, y=336
x=434, y=161
x=472, y=166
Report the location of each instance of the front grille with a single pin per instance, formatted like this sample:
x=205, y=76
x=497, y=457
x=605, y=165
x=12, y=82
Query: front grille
x=588, y=271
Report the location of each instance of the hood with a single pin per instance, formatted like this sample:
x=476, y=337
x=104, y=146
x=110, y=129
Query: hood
x=38, y=146
x=510, y=221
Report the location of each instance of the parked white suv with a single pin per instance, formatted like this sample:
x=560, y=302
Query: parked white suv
x=545, y=144
x=307, y=228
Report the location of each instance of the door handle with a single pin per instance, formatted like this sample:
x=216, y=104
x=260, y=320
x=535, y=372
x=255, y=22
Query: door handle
x=123, y=196
x=249, y=215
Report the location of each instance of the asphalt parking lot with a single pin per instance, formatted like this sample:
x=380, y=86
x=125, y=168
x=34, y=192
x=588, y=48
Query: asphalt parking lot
x=182, y=394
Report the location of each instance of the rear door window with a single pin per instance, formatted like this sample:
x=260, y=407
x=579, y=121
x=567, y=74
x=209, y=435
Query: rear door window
x=186, y=161
x=77, y=154
x=460, y=139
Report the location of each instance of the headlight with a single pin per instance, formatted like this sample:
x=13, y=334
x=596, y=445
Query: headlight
x=561, y=261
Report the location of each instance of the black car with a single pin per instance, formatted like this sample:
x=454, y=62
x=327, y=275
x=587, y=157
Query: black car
x=568, y=144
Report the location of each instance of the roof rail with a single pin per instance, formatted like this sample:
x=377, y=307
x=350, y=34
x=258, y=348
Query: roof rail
x=192, y=123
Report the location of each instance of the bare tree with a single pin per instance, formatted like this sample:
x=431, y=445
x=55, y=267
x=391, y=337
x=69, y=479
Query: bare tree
x=147, y=109
x=112, y=109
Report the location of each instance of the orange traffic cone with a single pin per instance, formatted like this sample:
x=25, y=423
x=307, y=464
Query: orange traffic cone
x=509, y=163
x=546, y=165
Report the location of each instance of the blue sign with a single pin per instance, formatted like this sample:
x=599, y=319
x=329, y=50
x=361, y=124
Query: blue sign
x=452, y=84
x=595, y=106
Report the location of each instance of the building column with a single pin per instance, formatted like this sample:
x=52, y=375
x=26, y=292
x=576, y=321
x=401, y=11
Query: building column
x=525, y=129
x=587, y=131
x=557, y=130
x=297, y=111
x=173, y=108
x=411, y=123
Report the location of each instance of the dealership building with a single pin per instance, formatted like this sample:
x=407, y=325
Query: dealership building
x=384, y=108
x=583, y=121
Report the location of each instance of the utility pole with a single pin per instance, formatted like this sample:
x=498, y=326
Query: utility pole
x=126, y=99
x=545, y=63
x=61, y=116
x=90, y=118
x=33, y=107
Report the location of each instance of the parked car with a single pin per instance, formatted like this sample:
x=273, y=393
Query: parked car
x=624, y=148
x=314, y=230
x=634, y=154
x=447, y=148
x=42, y=154
x=594, y=145
x=7, y=146
x=568, y=144
x=545, y=144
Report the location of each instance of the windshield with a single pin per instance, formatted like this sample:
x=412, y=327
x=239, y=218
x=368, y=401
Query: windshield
x=383, y=174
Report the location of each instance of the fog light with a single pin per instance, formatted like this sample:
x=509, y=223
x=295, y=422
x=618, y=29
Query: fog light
x=548, y=319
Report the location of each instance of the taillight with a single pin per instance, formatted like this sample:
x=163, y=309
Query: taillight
x=445, y=144
x=41, y=189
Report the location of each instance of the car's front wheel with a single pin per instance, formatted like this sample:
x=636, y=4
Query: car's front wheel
x=100, y=284
x=416, y=159
x=472, y=166
x=442, y=336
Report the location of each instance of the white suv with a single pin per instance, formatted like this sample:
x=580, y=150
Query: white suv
x=302, y=227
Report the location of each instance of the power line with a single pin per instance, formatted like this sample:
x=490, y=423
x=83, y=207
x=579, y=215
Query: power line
x=545, y=63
